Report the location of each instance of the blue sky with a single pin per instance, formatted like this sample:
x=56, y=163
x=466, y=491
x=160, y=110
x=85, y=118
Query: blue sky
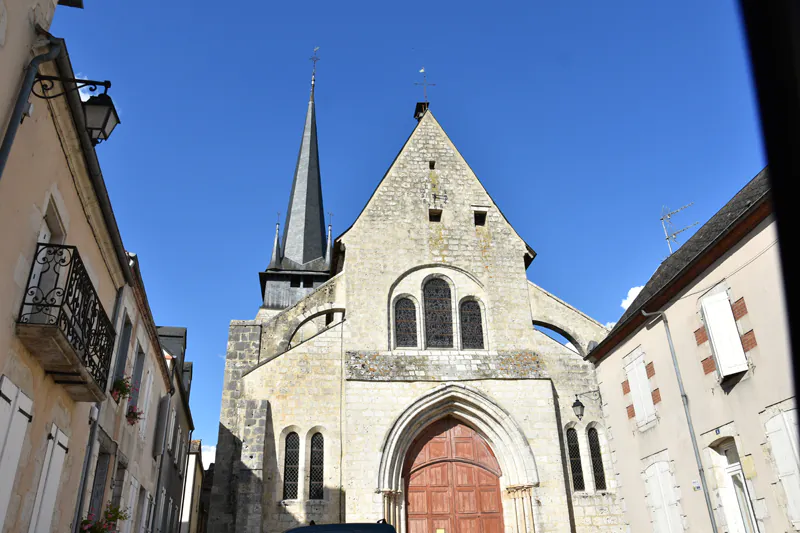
x=582, y=119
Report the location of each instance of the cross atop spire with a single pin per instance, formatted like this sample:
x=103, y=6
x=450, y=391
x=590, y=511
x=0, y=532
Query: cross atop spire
x=425, y=84
x=314, y=60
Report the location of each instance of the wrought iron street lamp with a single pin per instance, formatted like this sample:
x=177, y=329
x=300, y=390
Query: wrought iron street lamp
x=577, y=405
x=99, y=112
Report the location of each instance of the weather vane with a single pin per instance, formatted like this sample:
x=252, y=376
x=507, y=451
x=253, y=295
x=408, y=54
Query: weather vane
x=425, y=84
x=314, y=60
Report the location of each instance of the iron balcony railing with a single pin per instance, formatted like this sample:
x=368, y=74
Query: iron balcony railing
x=60, y=295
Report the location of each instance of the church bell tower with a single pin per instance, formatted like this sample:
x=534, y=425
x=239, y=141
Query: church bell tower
x=301, y=261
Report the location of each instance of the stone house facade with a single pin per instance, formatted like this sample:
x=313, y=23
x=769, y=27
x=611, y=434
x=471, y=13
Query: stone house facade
x=403, y=377
x=75, y=315
x=721, y=295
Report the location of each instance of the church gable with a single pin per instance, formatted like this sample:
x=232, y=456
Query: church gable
x=430, y=188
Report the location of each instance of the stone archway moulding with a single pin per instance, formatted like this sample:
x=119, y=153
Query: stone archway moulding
x=472, y=407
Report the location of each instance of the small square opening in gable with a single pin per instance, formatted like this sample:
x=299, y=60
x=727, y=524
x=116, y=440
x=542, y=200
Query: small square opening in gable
x=435, y=215
x=480, y=218
x=432, y=164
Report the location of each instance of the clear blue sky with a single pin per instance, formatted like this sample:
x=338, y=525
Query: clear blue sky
x=582, y=119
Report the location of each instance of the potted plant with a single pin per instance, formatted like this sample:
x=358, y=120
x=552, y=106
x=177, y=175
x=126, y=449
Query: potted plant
x=106, y=522
x=133, y=415
x=121, y=388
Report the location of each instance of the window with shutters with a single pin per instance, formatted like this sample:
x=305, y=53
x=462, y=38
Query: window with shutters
x=291, y=466
x=49, y=481
x=639, y=384
x=122, y=348
x=471, y=325
x=99, y=483
x=159, y=518
x=136, y=379
x=597, y=459
x=438, y=314
x=574, y=450
x=126, y=526
x=405, y=323
x=315, y=479
x=726, y=345
x=16, y=410
x=781, y=432
x=662, y=499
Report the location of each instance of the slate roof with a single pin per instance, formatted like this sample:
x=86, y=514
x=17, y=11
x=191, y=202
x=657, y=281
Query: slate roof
x=745, y=201
x=304, y=240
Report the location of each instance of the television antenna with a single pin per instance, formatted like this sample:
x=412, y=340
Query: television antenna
x=666, y=221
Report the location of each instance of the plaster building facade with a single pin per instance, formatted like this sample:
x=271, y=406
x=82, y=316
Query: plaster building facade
x=193, y=511
x=75, y=316
x=721, y=295
x=397, y=373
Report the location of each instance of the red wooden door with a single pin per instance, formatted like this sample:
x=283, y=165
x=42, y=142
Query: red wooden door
x=452, y=482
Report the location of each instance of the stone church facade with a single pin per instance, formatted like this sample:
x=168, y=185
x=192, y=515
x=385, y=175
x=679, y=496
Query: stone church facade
x=396, y=372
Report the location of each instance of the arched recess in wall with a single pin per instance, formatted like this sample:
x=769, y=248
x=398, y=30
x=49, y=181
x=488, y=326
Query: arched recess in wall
x=474, y=408
x=303, y=322
x=560, y=335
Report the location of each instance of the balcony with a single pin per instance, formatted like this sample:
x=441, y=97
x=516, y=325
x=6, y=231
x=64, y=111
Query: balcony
x=63, y=324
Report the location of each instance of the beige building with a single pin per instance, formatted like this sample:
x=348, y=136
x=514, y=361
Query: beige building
x=396, y=372
x=192, y=515
x=75, y=316
x=722, y=305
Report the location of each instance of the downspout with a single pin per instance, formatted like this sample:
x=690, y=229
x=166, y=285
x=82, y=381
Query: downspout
x=688, y=419
x=76, y=520
x=164, y=446
x=56, y=47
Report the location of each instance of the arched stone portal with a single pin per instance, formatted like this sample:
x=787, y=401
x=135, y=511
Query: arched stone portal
x=452, y=481
x=517, y=473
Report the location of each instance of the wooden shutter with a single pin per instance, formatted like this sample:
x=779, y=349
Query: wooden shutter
x=171, y=430
x=168, y=523
x=15, y=414
x=145, y=400
x=723, y=334
x=161, y=423
x=158, y=527
x=133, y=493
x=782, y=436
x=49, y=481
x=640, y=390
x=136, y=381
x=99, y=483
x=662, y=499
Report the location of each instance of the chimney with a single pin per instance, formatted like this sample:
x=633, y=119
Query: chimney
x=420, y=110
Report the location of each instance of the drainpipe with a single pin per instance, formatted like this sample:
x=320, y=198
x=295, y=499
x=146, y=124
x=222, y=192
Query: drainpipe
x=688, y=418
x=98, y=408
x=22, y=98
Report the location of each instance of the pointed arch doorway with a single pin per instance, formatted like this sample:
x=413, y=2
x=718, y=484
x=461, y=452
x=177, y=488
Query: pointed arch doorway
x=452, y=481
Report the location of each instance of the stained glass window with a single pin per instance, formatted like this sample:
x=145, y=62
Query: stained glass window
x=405, y=323
x=597, y=460
x=471, y=325
x=575, y=460
x=438, y=314
x=315, y=484
x=291, y=466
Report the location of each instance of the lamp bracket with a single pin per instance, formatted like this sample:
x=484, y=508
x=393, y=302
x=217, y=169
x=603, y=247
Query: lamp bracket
x=593, y=394
x=46, y=84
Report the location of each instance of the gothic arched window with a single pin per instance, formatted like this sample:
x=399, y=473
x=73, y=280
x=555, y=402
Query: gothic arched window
x=291, y=466
x=438, y=314
x=315, y=481
x=471, y=325
x=405, y=323
x=575, y=460
x=597, y=459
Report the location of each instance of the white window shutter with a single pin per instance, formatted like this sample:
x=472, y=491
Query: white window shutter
x=171, y=430
x=145, y=401
x=43, y=507
x=133, y=493
x=15, y=414
x=640, y=390
x=782, y=436
x=168, y=523
x=723, y=334
x=663, y=499
x=160, y=511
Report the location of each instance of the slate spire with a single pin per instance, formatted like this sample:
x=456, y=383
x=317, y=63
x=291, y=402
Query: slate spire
x=304, y=230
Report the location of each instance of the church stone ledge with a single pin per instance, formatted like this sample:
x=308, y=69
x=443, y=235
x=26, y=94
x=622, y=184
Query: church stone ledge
x=450, y=365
